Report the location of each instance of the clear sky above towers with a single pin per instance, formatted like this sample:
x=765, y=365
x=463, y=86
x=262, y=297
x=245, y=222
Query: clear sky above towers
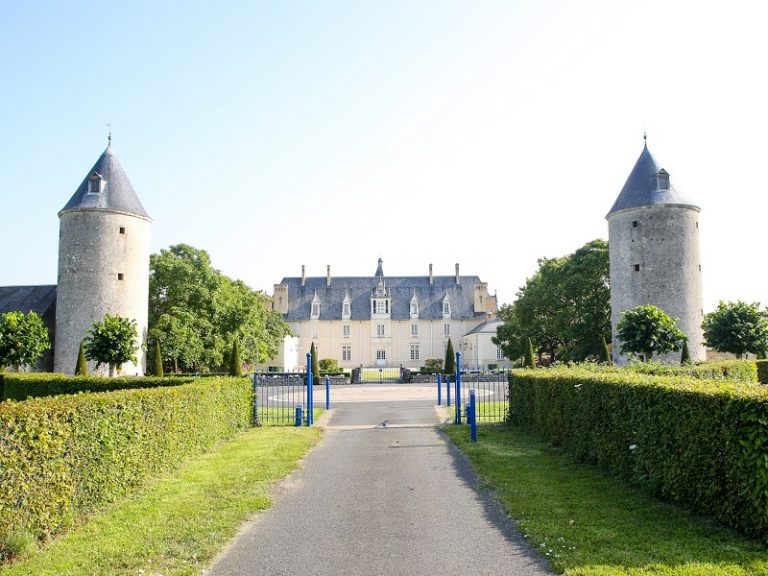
x=489, y=133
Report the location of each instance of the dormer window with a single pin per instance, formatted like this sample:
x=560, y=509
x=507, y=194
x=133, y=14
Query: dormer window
x=446, y=307
x=414, y=306
x=662, y=179
x=380, y=300
x=95, y=183
x=346, y=308
x=315, y=312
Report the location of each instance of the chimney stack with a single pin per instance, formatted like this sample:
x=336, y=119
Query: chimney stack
x=457, y=274
x=302, y=274
x=328, y=276
x=431, y=280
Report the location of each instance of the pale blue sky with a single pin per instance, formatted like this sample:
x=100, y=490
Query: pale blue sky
x=489, y=133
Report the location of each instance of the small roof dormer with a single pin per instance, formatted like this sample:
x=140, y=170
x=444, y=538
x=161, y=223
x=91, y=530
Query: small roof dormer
x=314, y=312
x=414, y=306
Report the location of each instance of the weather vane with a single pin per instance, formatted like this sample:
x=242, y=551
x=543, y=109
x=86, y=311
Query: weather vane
x=109, y=134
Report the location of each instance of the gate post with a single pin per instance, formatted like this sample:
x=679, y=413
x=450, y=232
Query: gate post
x=448, y=390
x=439, y=390
x=255, y=401
x=327, y=392
x=458, y=387
x=472, y=416
x=310, y=384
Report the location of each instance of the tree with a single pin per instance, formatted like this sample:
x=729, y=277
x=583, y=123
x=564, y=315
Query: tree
x=736, y=327
x=685, y=355
x=530, y=361
x=81, y=369
x=648, y=330
x=449, y=366
x=195, y=311
x=113, y=342
x=329, y=365
x=23, y=339
x=315, y=366
x=236, y=366
x=155, y=368
x=433, y=365
x=564, y=307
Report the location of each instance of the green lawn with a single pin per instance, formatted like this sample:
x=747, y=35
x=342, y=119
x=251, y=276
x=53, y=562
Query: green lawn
x=179, y=523
x=587, y=524
x=487, y=412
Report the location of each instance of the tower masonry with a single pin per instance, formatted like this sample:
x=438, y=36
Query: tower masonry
x=653, y=238
x=103, y=262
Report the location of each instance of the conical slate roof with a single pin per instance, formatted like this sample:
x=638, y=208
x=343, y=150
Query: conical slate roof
x=642, y=189
x=116, y=191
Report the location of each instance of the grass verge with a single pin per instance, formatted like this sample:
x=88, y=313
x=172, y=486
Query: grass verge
x=587, y=524
x=180, y=522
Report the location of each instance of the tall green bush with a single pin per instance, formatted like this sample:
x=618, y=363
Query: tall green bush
x=702, y=444
x=530, y=360
x=157, y=361
x=235, y=366
x=685, y=355
x=605, y=355
x=315, y=366
x=449, y=365
x=81, y=369
x=63, y=456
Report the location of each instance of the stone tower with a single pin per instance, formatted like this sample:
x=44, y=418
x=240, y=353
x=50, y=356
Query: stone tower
x=653, y=238
x=103, y=262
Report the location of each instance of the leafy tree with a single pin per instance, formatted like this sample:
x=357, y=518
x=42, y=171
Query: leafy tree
x=449, y=365
x=736, y=327
x=685, y=356
x=315, y=366
x=564, y=307
x=648, y=330
x=113, y=342
x=157, y=361
x=23, y=339
x=236, y=366
x=329, y=365
x=81, y=369
x=530, y=361
x=433, y=364
x=195, y=311
x=605, y=355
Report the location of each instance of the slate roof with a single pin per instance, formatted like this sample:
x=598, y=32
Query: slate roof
x=641, y=187
x=488, y=327
x=401, y=289
x=37, y=299
x=117, y=194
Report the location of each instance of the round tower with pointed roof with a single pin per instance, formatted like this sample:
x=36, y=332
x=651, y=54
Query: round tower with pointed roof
x=103, y=262
x=653, y=238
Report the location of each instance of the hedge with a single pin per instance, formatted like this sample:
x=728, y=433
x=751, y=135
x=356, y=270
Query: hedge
x=38, y=384
x=740, y=370
x=702, y=444
x=63, y=456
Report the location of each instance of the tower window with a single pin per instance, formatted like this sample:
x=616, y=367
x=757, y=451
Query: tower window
x=634, y=223
x=637, y=267
x=120, y=276
x=122, y=229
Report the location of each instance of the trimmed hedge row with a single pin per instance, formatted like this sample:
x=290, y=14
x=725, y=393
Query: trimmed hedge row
x=39, y=384
x=739, y=370
x=702, y=444
x=65, y=455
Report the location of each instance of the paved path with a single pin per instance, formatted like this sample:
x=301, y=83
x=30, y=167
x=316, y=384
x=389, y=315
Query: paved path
x=383, y=494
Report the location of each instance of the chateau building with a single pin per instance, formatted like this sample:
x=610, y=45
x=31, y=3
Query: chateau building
x=379, y=320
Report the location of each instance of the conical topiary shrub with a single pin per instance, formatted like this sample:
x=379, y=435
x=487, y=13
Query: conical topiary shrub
x=605, y=355
x=235, y=367
x=157, y=362
x=529, y=361
x=82, y=366
x=449, y=366
x=685, y=356
x=315, y=366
